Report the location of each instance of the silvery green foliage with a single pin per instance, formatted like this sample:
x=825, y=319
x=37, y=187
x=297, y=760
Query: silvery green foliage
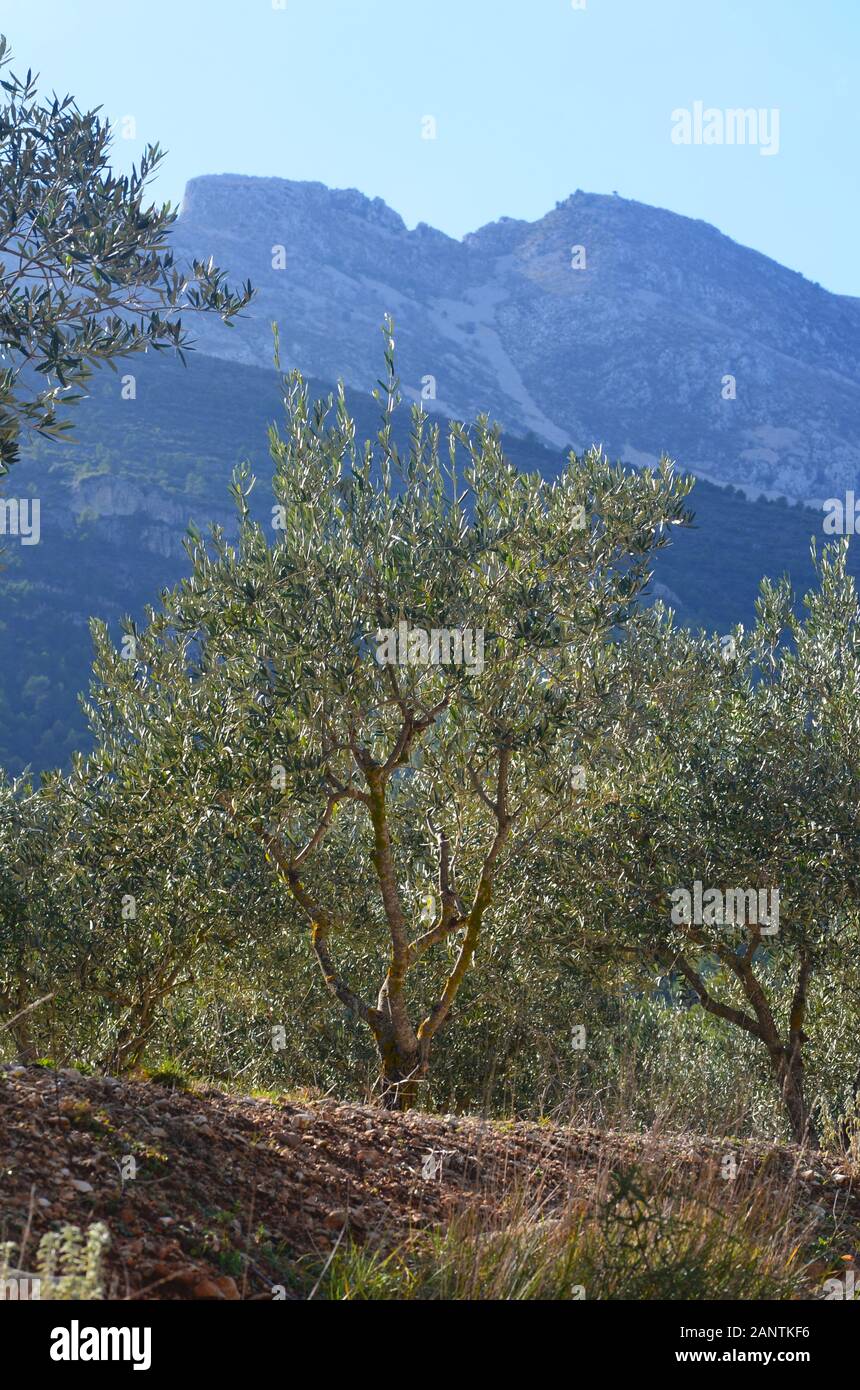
x=70, y=1264
x=256, y=692
x=735, y=769
x=31, y=834
x=85, y=276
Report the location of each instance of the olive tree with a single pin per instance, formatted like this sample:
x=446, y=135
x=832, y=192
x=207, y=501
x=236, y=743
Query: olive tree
x=404, y=674
x=114, y=897
x=155, y=891
x=721, y=838
x=31, y=834
x=86, y=273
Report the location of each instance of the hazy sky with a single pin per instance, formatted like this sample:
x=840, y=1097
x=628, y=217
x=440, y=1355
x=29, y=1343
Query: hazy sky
x=532, y=99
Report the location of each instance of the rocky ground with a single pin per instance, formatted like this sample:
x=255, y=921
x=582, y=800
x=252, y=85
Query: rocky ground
x=215, y=1196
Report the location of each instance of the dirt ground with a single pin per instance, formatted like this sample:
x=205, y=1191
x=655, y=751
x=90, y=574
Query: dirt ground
x=214, y=1196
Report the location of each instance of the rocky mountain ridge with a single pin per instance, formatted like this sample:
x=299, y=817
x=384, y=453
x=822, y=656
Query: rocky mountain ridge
x=606, y=321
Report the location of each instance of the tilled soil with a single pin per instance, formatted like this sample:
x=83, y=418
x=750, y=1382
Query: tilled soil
x=214, y=1196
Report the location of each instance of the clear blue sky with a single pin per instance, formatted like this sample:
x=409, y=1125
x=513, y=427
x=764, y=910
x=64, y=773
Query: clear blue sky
x=532, y=99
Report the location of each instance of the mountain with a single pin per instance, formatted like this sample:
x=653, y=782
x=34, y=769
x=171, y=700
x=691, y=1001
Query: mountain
x=633, y=348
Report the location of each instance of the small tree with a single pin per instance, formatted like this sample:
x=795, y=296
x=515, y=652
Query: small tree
x=85, y=271
x=115, y=895
x=157, y=889
x=403, y=680
x=29, y=834
x=737, y=769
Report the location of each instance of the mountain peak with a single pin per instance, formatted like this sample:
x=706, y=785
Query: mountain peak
x=605, y=319
x=210, y=193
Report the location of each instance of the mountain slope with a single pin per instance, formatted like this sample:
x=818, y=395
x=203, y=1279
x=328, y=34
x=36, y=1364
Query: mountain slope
x=631, y=349
x=116, y=502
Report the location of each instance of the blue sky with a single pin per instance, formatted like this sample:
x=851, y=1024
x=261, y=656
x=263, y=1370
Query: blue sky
x=532, y=99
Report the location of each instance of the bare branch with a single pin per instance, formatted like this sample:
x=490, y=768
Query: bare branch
x=714, y=1006
x=483, y=897
x=319, y=834
x=10, y=1022
x=322, y=924
x=451, y=916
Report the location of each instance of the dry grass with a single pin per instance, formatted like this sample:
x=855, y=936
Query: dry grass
x=647, y=1230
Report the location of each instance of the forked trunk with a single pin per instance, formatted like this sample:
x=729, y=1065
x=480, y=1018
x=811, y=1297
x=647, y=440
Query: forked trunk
x=402, y=1075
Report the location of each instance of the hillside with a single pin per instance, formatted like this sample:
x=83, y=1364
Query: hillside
x=240, y=1197
x=115, y=504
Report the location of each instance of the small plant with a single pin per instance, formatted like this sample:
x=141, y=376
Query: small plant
x=69, y=1264
x=80, y=1114
x=170, y=1075
x=231, y=1261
